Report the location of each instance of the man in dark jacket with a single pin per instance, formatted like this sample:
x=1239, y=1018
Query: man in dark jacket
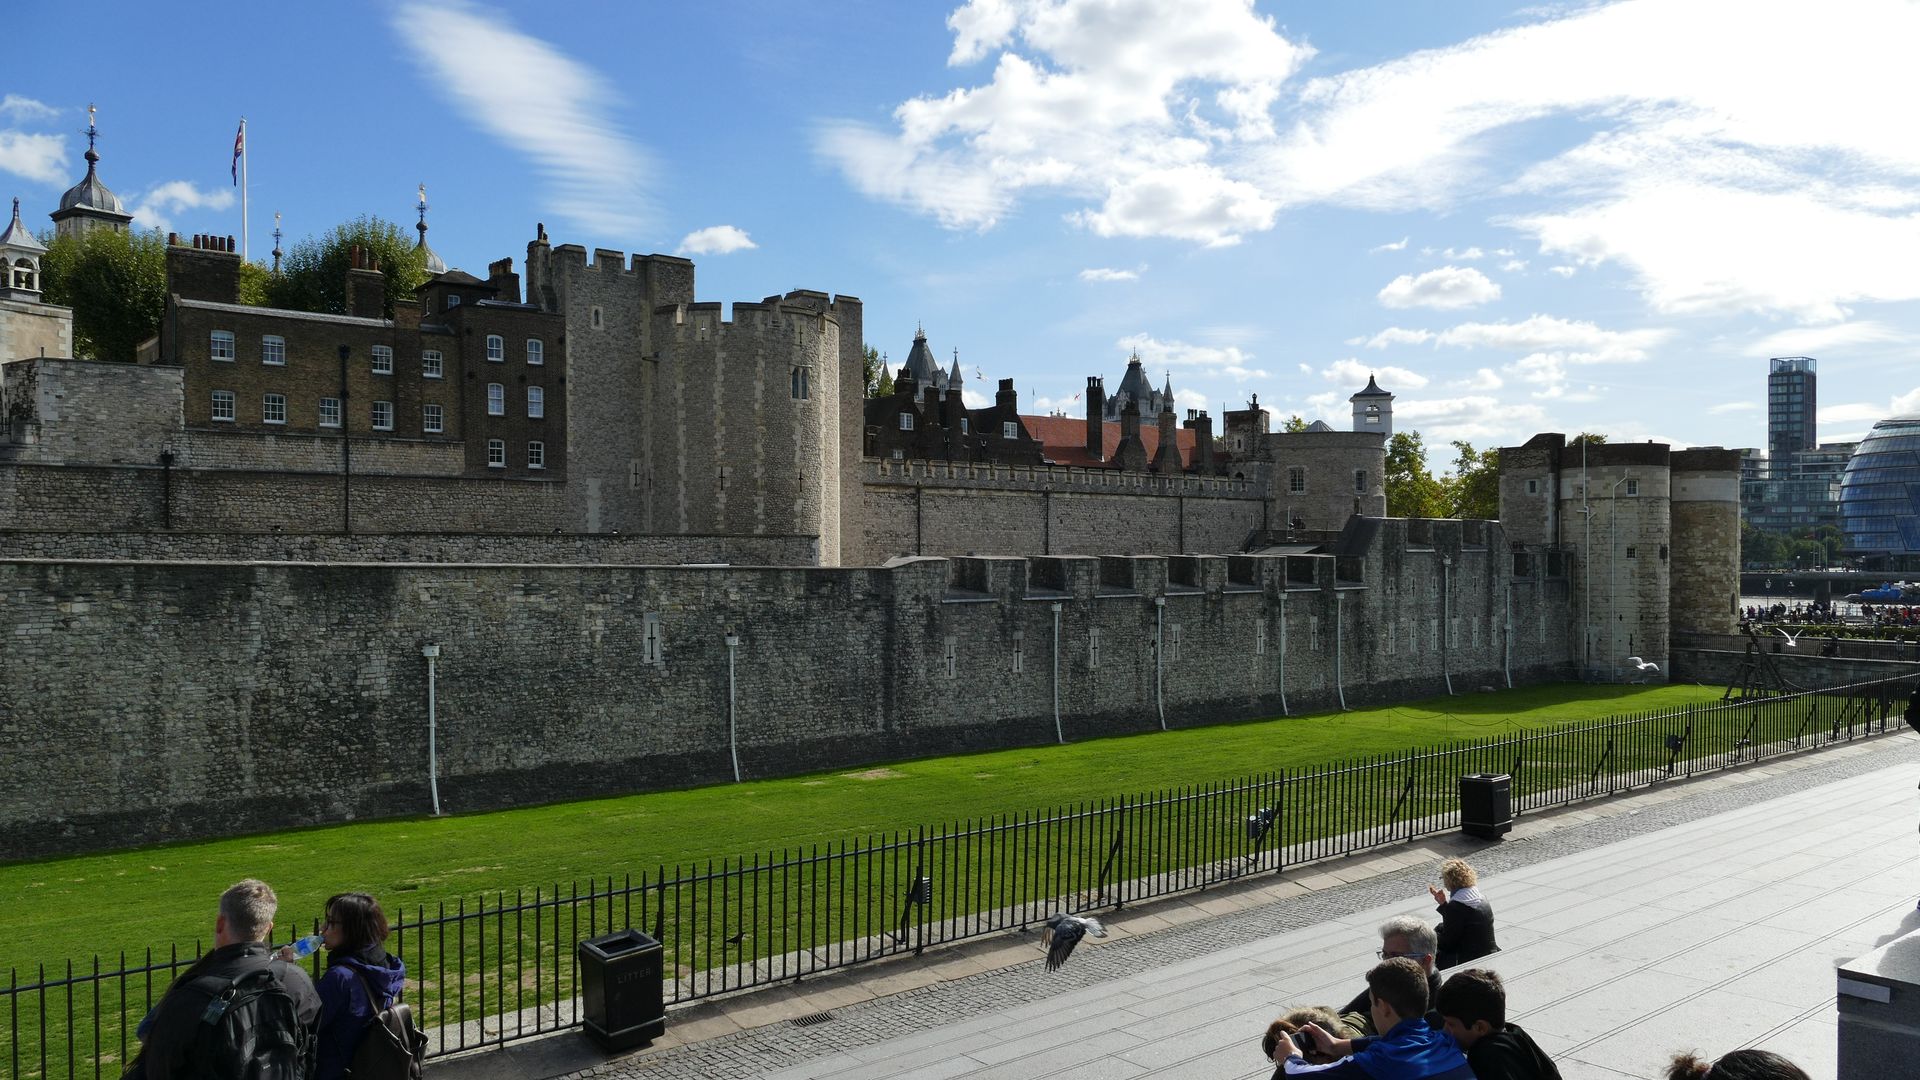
x=1403, y=936
x=181, y=1035
x=1473, y=1008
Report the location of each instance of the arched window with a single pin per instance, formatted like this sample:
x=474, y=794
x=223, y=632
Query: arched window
x=496, y=348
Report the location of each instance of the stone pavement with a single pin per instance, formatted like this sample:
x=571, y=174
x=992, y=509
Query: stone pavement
x=1707, y=914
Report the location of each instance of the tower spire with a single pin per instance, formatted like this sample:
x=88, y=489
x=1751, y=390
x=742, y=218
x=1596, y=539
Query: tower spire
x=423, y=214
x=93, y=156
x=276, y=242
x=433, y=262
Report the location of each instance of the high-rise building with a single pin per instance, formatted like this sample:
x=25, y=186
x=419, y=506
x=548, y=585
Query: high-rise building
x=1790, y=408
x=1880, y=495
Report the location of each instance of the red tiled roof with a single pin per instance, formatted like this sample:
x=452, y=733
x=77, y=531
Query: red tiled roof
x=1064, y=439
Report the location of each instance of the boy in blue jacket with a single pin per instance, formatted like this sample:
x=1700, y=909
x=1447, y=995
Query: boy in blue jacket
x=1410, y=1050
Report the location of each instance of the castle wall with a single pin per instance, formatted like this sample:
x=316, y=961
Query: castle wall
x=455, y=547
x=200, y=680
x=1706, y=541
x=89, y=411
x=1329, y=461
x=28, y=329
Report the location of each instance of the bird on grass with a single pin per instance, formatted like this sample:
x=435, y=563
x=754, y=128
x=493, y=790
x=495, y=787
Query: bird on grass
x=1063, y=932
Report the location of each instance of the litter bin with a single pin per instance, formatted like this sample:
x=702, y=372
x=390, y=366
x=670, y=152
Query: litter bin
x=1486, y=805
x=620, y=991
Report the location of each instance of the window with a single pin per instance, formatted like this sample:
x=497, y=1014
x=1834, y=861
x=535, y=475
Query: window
x=1629, y=551
x=496, y=453
x=965, y=426
x=453, y=300
x=383, y=359
x=273, y=409
x=496, y=399
x=1260, y=637
x=650, y=652
x=1373, y=414
x=536, y=351
x=1533, y=487
x=1019, y=651
x=798, y=383
x=1173, y=643
x=496, y=348
x=1093, y=649
x=536, y=455
x=273, y=350
x=598, y=323
x=431, y=366
x=432, y=419
x=329, y=412
x=906, y=421
x=536, y=402
x=1359, y=481
x=1296, y=479
x=383, y=416
x=1633, y=487
x=953, y=659
x=1010, y=429
x=221, y=346
x=223, y=405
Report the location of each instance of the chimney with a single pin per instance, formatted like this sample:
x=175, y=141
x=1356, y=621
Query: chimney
x=366, y=286
x=1202, y=425
x=503, y=281
x=1096, y=418
x=1131, y=455
x=1007, y=399
x=1166, y=456
x=209, y=270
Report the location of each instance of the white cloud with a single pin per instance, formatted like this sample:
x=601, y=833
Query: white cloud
x=1206, y=360
x=1483, y=379
x=1853, y=411
x=25, y=108
x=1906, y=404
x=974, y=399
x=1107, y=273
x=1563, y=271
x=1464, y=254
x=40, y=158
x=717, y=240
x=1351, y=372
x=1398, y=245
x=1445, y=288
x=1393, y=335
x=156, y=207
x=1581, y=341
x=539, y=101
x=1474, y=417
x=1813, y=340
x=1726, y=407
x=1514, y=266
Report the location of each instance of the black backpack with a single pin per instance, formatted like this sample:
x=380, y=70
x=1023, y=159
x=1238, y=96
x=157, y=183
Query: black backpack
x=251, y=1029
x=391, y=1048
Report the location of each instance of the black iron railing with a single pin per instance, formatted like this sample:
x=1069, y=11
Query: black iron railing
x=502, y=967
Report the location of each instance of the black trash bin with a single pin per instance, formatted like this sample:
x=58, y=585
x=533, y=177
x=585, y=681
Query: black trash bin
x=1486, y=805
x=620, y=990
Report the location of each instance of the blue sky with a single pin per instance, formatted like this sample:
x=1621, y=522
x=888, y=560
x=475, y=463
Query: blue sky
x=1560, y=217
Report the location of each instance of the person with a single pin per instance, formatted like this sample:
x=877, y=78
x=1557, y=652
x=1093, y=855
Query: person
x=1409, y=1049
x=1282, y=1029
x=1465, y=932
x=1401, y=936
x=182, y=1036
x=361, y=979
x=1739, y=1065
x=1473, y=1009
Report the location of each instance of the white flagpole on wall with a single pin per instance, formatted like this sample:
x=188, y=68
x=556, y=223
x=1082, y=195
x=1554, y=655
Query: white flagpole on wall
x=243, y=188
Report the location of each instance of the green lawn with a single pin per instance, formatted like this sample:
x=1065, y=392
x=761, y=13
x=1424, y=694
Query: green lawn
x=57, y=909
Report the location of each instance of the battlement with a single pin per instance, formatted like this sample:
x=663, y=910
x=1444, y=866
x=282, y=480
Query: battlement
x=611, y=261
x=992, y=475
x=710, y=319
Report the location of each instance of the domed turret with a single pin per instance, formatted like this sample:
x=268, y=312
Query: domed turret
x=434, y=263
x=89, y=204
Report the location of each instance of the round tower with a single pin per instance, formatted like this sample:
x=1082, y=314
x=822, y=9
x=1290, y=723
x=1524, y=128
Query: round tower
x=1706, y=541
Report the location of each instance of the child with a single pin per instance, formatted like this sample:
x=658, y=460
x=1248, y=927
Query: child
x=1473, y=1004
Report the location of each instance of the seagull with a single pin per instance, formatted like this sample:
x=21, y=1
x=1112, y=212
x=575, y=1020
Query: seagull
x=1793, y=640
x=1064, y=932
x=1643, y=665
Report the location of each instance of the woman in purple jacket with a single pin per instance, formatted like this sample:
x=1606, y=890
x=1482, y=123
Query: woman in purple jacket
x=360, y=980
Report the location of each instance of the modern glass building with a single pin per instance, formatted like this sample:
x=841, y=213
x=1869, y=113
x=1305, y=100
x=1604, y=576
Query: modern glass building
x=1880, y=496
x=1791, y=402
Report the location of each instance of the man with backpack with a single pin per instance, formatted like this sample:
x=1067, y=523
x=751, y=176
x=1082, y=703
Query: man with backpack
x=237, y=1013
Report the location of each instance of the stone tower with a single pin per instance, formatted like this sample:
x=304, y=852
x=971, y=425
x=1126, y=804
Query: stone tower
x=1706, y=541
x=89, y=204
x=19, y=261
x=1373, y=409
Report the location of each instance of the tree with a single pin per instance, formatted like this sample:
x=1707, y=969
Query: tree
x=314, y=272
x=1474, y=491
x=1761, y=549
x=1294, y=423
x=116, y=284
x=879, y=379
x=1411, y=489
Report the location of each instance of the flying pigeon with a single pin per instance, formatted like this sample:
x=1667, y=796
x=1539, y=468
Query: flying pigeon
x=1064, y=932
x=1793, y=640
x=1643, y=665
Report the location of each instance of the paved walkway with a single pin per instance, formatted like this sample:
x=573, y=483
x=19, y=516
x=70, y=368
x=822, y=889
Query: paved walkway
x=1703, y=915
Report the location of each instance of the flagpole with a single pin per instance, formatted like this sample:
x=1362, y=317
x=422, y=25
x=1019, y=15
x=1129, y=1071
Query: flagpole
x=243, y=189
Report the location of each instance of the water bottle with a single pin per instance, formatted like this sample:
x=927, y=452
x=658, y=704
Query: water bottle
x=306, y=946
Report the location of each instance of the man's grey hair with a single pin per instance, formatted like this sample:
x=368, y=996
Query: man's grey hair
x=248, y=907
x=1419, y=935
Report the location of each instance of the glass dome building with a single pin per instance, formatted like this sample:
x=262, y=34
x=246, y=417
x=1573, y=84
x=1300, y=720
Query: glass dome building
x=1880, y=495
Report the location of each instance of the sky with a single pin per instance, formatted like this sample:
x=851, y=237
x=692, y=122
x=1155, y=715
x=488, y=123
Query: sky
x=1561, y=217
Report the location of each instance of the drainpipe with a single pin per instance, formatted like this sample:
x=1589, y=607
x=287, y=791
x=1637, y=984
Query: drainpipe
x=1283, y=648
x=432, y=653
x=1057, y=732
x=1446, y=619
x=1613, y=579
x=166, y=489
x=733, y=746
x=1339, y=672
x=1159, y=656
x=1506, y=661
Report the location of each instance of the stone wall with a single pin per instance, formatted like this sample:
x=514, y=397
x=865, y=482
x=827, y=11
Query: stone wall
x=31, y=329
x=1717, y=659
x=525, y=548
x=242, y=696
x=87, y=411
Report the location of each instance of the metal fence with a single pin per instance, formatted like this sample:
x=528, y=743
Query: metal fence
x=503, y=967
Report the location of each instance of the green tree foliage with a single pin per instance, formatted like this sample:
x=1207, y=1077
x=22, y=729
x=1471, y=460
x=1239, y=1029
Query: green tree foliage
x=1412, y=491
x=313, y=274
x=1296, y=422
x=116, y=284
x=1474, y=489
x=879, y=379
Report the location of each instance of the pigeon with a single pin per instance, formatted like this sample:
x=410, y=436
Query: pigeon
x=1064, y=932
x=1793, y=640
x=1643, y=665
